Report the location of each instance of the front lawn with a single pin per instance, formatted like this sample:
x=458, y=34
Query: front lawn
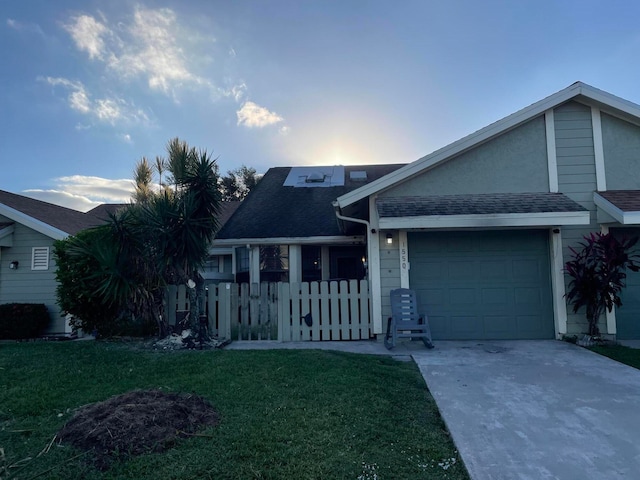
x=283, y=414
x=626, y=355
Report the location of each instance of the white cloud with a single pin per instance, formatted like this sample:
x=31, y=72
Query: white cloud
x=253, y=115
x=105, y=110
x=84, y=192
x=147, y=47
x=285, y=130
x=88, y=35
x=155, y=47
x=30, y=28
x=126, y=138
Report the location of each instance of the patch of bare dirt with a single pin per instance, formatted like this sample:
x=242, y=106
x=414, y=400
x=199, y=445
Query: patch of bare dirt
x=136, y=422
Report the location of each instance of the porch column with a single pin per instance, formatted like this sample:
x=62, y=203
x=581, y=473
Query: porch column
x=373, y=244
x=612, y=326
x=403, y=245
x=295, y=264
x=324, y=263
x=254, y=265
x=557, y=283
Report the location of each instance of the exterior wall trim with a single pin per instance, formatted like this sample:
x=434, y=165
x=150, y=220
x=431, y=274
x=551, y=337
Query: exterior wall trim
x=328, y=240
x=552, y=159
x=403, y=245
x=557, y=283
x=497, y=220
x=598, y=148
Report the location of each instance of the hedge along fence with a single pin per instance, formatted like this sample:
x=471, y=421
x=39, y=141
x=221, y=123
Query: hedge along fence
x=23, y=320
x=316, y=311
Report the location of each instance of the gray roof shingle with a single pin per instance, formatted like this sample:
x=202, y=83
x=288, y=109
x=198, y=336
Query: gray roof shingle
x=625, y=200
x=476, y=204
x=272, y=210
x=65, y=219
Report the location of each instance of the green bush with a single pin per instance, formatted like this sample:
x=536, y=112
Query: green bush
x=23, y=320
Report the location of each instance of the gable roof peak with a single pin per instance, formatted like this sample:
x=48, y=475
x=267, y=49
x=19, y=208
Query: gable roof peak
x=576, y=91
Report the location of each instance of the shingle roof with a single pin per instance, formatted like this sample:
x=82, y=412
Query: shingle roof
x=625, y=200
x=103, y=210
x=65, y=219
x=272, y=210
x=476, y=204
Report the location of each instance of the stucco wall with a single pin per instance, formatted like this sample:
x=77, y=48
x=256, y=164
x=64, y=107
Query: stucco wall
x=26, y=285
x=515, y=162
x=621, y=143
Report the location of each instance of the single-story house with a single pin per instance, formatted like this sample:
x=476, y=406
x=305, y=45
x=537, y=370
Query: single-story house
x=480, y=228
x=28, y=229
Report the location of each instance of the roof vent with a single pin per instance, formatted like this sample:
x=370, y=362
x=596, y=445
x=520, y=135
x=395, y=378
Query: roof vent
x=315, y=177
x=310, y=177
x=358, y=176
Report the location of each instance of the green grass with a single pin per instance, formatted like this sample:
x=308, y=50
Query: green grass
x=284, y=414
x=626, y=355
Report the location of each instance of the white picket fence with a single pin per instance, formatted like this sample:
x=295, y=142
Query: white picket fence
x=277, y=311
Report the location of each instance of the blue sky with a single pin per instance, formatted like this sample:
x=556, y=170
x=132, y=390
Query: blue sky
x=90, y=87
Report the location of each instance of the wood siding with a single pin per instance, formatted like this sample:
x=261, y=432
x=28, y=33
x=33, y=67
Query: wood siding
x=24, y=285
x=576, y=179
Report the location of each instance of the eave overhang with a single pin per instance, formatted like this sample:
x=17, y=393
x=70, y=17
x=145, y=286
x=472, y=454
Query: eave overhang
x=317, y=240
x=504, y=220
x=624, y=217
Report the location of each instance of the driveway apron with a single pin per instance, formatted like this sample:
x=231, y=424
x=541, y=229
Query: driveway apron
x=536, y=409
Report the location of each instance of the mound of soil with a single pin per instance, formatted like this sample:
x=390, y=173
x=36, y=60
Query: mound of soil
x=136, y=422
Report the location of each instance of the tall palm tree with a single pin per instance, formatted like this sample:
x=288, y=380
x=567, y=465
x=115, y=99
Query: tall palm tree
x=162, y=238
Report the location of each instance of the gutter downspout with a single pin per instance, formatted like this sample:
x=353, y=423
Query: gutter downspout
x=373, y=264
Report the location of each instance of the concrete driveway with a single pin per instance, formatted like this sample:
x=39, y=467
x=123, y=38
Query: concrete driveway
x=536, y=409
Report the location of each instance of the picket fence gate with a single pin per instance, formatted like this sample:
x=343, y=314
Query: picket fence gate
x=280, y=311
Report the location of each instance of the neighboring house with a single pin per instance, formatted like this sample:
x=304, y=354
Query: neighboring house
x=481, y=228
x=28, y=230
x=286, y=229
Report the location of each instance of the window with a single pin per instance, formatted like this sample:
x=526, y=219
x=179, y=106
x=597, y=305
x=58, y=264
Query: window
x=274, y=263
x=40, y=258
x=311, y=263
x=212, y=264
x=242, y=259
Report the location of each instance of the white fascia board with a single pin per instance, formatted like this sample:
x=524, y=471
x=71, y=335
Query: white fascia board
x=32, y=223
x=318, y=240
x=622, y=217
x=220, y=250
x=577, y=89
x=483, y=221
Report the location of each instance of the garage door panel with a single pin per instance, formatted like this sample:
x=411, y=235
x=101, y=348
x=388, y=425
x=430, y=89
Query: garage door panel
x=466, y=326
x=462, y=296
x=499, y=326
x=526, y=296
x=439, y=326
x=495, y=296
x=487, y=285
x=494, y=268
x=461, y=271
x=531, y=324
